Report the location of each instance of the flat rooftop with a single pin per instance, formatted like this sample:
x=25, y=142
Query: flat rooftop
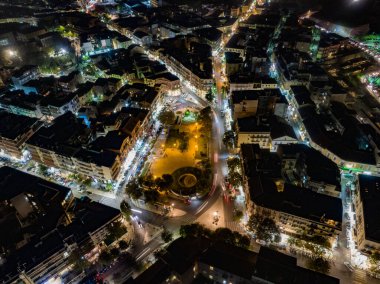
x=44, y=224
x=12, y=125
x=370, y=197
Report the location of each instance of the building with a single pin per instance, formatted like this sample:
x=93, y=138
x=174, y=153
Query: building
x=24, y=75
x=254, y=102
x=201, y=260
x=306, y=166
x=338, y=135
x=250, y=130
x=295, y=209
x=225, y=263
x=366, y=209
x=15, y=130
x=66, y=144
x=190, y=61
x=57, y=104
x=42, y=224
x=155, y=3
x=329, y=45
x=17, y=102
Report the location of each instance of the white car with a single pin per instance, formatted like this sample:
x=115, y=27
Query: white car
x=349, y=266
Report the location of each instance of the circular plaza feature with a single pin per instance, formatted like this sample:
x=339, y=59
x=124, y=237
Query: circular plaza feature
x=186, y=180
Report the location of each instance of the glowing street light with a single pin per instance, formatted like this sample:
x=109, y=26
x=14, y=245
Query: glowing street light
x=12, y=53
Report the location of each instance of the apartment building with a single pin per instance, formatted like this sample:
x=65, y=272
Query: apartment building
x=15, y=130
x=254, y=102
x=366, y=208
x=65, y=144
x=297, y=210
x=64, y=224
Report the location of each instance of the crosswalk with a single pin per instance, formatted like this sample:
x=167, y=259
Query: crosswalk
x=359, y=277
x=234, y=226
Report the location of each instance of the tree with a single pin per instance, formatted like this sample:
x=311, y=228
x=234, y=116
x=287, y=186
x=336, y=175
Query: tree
x=195, y=230
x=254, y=221
x=374, y=257
x=241, y=240
x=183, y=143
x=42, y=169
x=166, y=236
x=123, y=245
x=224, y=235
x=151, y=196
x=109, y=186
x=235, y=179
x=229, y=139
x=115, y=252
x=105, y=258
x=125, y=208
x=268, y=231
x=167, y=181
x=238, y=214
x=265, y=228
x=210, y=97
x=77, y=259
x=205, y=114
x=166, y=117
x=116, y=230
x=147, y=181
x=133, y=189
x=233, y=164
x=319, y=264
x=87, y=182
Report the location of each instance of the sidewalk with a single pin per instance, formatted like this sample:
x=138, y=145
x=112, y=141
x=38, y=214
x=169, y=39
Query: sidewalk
x=102, y=193
x=151, y=232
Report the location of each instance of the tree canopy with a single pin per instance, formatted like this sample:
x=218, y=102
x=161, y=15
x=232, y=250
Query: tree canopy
x=133, y=189
x=265, y=228
x=166, y=117
x=77, y=259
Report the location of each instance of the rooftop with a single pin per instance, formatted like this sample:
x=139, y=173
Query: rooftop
x=370, y=197
x=13, y=126
x=277, y=267
x=338, y=131
x=39, y=205
x=292, y=199
x=235, y=260
x=239, y=96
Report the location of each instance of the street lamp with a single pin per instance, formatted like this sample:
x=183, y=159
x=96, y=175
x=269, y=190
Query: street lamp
x=11, y=53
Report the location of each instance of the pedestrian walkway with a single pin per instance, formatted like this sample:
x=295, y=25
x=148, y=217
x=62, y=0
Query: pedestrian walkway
x=235, y=226
x=102, y=193
x=151, y=232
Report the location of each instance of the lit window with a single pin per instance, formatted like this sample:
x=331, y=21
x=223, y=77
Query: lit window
x=211, y=268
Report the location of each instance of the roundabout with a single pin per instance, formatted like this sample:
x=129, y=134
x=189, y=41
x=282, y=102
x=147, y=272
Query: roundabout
x=186, y=181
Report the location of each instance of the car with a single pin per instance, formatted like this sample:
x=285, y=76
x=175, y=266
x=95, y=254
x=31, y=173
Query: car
x=349, y=266
x=134, y=217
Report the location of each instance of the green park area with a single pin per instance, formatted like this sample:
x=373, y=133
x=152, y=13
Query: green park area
x=179, y=163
